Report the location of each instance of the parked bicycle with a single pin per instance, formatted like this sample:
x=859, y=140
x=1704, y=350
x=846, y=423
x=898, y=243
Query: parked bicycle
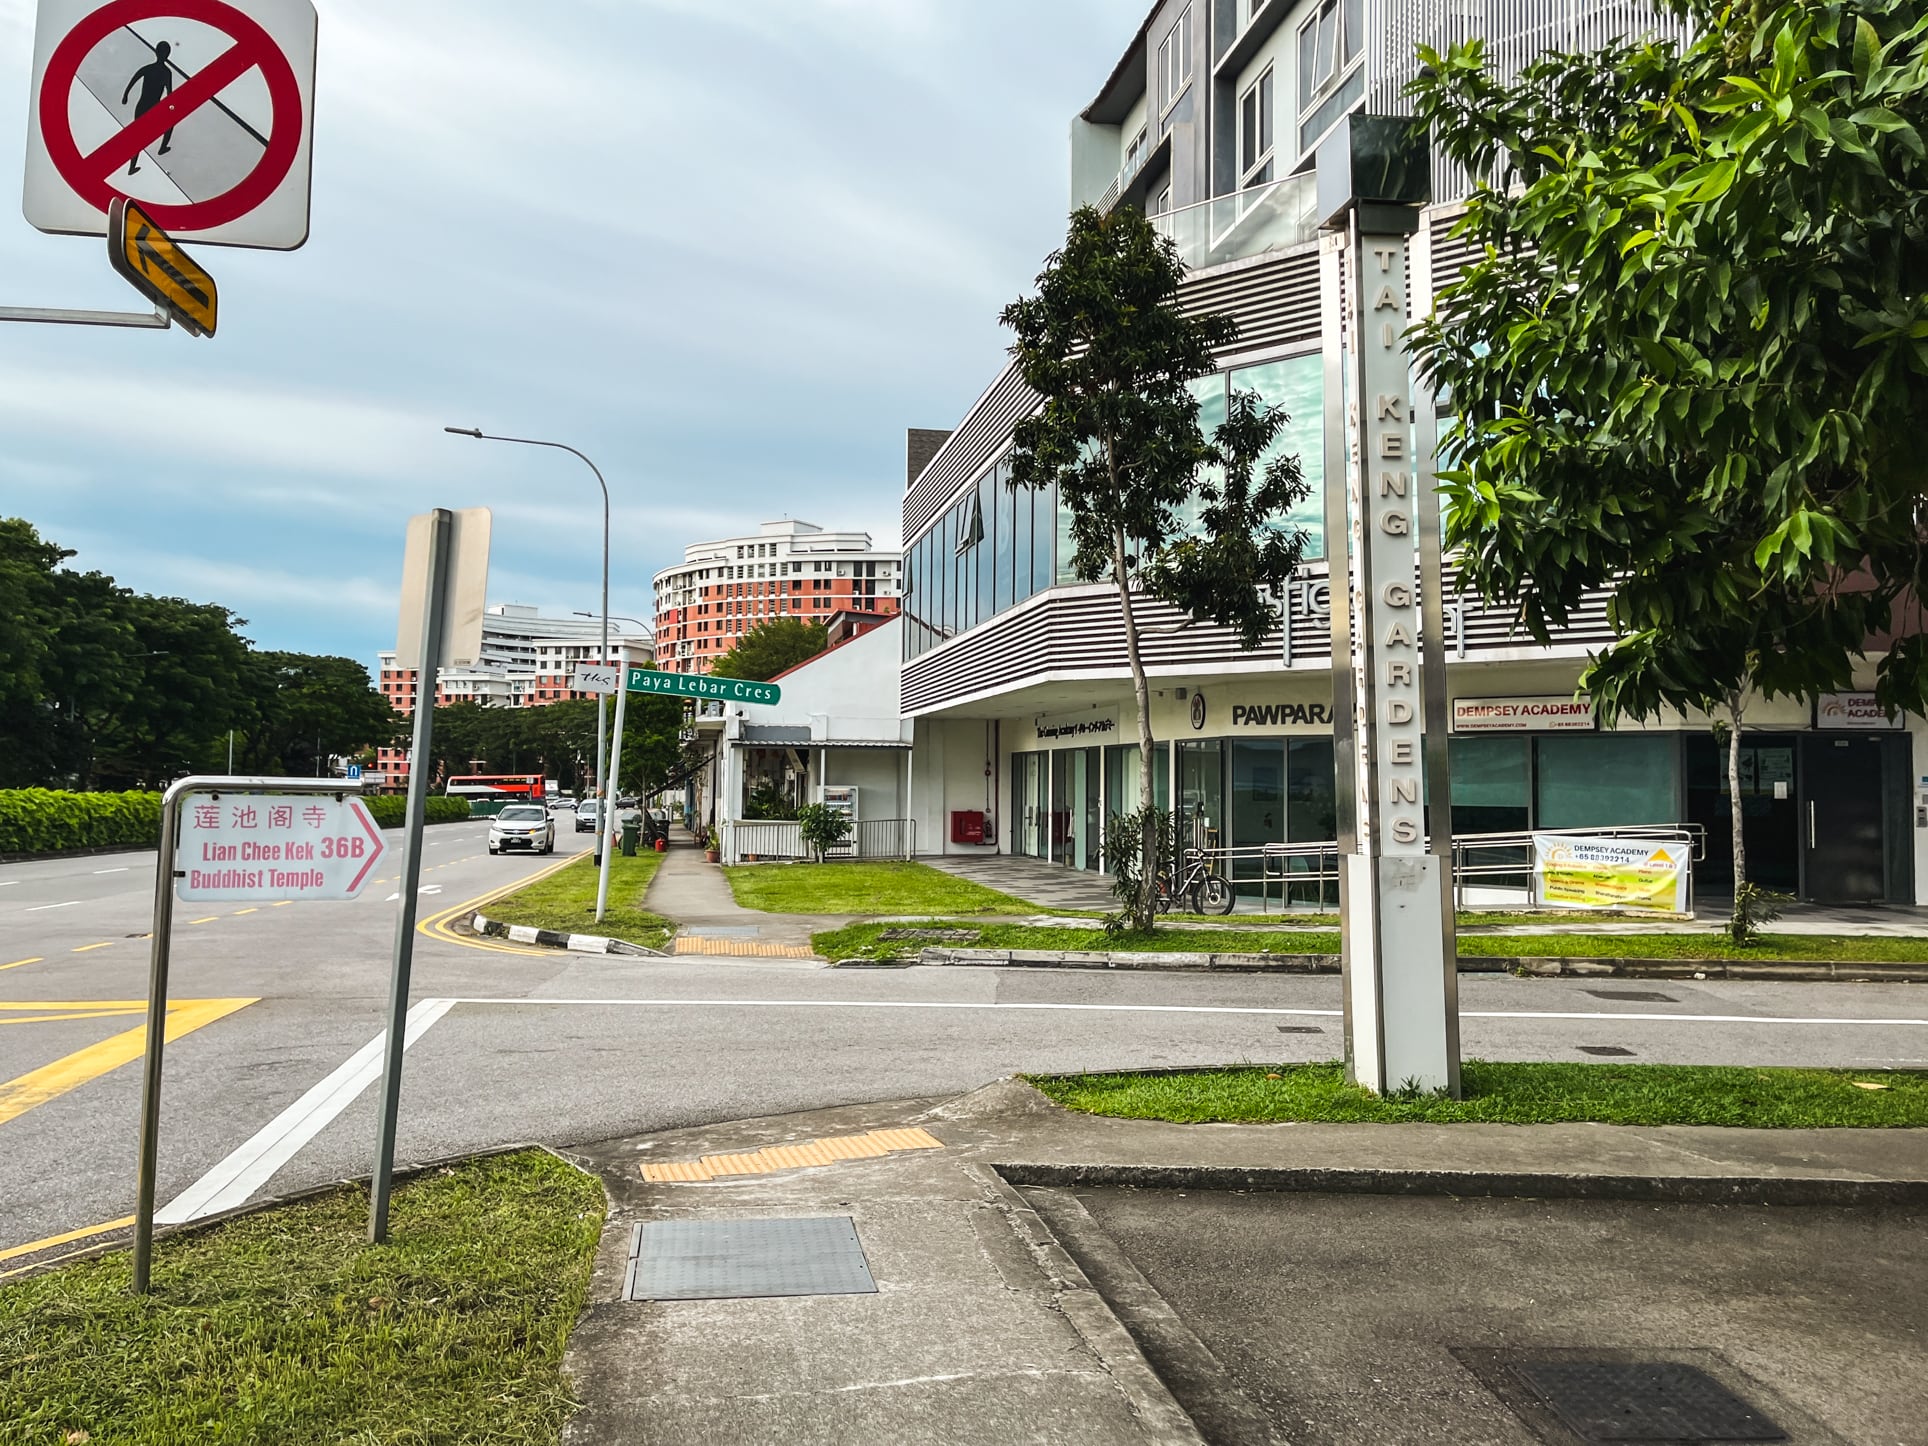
x=1203, y=888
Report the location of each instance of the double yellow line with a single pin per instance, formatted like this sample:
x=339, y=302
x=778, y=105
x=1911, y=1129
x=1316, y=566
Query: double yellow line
x=437, y=926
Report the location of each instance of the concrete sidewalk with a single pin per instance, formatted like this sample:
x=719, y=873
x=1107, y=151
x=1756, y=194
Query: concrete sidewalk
x=697, y=896
x=983, y=1325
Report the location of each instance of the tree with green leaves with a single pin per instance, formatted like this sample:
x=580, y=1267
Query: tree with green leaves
x=771, y=648
x=1692, y=359
x=1112, y=356
x=310, y=708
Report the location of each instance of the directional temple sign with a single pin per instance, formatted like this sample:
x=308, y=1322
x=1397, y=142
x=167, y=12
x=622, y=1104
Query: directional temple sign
x=591, y=679
x=241, y=847
x=159, y=269
x=699, y=685
x=199, y=110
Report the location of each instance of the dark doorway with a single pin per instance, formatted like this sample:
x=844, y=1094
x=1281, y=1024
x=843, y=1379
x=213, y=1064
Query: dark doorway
x=1770, y=810
x=1841, y=779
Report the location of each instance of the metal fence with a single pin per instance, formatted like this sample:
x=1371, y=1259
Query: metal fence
x=1307, y=874
x=780, y=840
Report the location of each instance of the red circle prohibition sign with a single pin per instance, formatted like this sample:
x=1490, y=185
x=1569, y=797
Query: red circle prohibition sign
x=253, y=48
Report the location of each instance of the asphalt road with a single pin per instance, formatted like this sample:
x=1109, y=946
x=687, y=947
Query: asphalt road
x=1355, y=1320
x=277, y=1006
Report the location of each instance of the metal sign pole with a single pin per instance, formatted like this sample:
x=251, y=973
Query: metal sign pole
x=165, y=875
x=607, y=824
x=156, y=1035
x=433, y=619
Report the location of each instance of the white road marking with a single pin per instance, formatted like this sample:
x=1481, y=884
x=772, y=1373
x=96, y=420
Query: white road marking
x=10, y=884
x=42, y=908
x=1173, y=1009
x=99, y=872
x=235, y=1179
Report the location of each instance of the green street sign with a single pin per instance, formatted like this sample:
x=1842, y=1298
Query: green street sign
x=696, y=685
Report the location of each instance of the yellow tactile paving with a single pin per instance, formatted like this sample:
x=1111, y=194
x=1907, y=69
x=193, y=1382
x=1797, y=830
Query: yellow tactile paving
x=743, y=948
x=797, y=1157
x=871, y=1145
x=854, y=1147
x=752, y=1163
x=907, y=1139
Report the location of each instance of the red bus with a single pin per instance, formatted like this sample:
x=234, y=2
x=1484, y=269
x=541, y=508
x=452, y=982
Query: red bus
x=497, y=788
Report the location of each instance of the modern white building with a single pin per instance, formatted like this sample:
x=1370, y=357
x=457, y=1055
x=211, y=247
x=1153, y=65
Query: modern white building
x=785, y=569
x=1014, y=671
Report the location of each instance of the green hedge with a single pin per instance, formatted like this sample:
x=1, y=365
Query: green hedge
x=42, y=821
x=390, y=808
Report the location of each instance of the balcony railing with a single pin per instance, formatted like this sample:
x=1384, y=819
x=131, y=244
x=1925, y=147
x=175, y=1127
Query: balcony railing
x=1270, y=217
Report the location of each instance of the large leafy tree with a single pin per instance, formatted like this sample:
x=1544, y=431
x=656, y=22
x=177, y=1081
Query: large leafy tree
x=771, y=648
x=304, y=703
x=1692, y=363
x=1107, y=348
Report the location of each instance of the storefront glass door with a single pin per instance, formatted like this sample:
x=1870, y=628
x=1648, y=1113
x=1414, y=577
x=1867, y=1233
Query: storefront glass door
x=1311, y=814
x=1258, y=805
x=1770, y=810
x=1074, y=807
x=1201, y=792
x=1029, y=803
x=1842, y=781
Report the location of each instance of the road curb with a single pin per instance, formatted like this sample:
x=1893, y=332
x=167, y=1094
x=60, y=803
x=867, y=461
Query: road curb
x=1583, y=967
x=1672, y=1189
x=556, y=939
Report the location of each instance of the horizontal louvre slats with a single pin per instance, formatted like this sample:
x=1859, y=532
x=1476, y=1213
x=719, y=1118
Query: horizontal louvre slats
x=1080, y=633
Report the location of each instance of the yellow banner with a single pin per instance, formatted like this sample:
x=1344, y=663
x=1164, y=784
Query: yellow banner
x=1603, y=873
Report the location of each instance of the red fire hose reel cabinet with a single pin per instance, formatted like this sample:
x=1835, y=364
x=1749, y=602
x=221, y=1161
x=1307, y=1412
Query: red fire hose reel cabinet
x=969, y=826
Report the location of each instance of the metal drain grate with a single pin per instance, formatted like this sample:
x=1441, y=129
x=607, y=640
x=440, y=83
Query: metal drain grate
x=1300, y=1029
x=1634, y=996
x=741, y=1259
x=1606, y=1051
x=1667, y=1402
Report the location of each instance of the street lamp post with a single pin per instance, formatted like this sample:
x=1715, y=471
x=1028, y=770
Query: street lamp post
x=602, y=659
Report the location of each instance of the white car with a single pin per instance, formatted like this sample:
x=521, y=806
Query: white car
x=523, y=826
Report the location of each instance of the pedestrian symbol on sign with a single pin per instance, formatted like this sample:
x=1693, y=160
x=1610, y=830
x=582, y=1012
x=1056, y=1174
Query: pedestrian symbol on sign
x=156, y=80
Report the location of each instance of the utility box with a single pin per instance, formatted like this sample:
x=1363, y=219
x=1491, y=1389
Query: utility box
x=968, y=826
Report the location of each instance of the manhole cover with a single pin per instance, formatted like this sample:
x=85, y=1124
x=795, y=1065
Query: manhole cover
x=1662, y=1402
x=740, y=1259
x=1606, y=1051
x=1634, y=996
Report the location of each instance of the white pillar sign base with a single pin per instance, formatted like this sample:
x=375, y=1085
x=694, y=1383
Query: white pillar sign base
x=1389, y=683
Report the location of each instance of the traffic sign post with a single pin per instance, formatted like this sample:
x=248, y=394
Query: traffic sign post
x=155, y=265
x=246, y=839
x=701, y=685
x=198, y=109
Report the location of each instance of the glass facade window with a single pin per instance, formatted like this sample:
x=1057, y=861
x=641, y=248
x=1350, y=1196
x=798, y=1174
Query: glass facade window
x=1492, y=784
x=1600, y=780
x=963, y=577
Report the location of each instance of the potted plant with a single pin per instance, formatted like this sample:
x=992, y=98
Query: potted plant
x=712, y=848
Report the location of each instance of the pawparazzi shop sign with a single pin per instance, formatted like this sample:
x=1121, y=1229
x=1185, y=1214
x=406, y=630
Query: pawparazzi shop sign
x=700, y=685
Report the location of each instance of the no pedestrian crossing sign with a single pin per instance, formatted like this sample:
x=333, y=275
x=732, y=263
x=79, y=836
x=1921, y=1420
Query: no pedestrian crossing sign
x=237, y=847
x=200, y=110
x=701, y=685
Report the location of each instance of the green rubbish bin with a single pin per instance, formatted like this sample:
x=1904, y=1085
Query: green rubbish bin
x=632, y=835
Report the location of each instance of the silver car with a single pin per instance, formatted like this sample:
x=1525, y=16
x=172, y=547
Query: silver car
x=523, y=826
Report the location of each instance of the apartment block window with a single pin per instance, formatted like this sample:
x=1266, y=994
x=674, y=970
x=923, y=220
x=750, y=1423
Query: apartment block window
x=1330, y=78
x=1255, y=133
x=1175, y=61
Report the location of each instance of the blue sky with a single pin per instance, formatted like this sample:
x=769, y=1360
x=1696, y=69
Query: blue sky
x=729, y=250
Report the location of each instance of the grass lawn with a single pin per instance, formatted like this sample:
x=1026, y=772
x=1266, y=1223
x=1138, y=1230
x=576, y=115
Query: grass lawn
x=286, y=1329
x=865, y=888
x=1517, y=1094
x=864, y=941
x=567, y=900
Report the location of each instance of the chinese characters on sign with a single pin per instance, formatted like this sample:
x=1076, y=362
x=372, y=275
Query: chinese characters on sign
x=241, y=847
